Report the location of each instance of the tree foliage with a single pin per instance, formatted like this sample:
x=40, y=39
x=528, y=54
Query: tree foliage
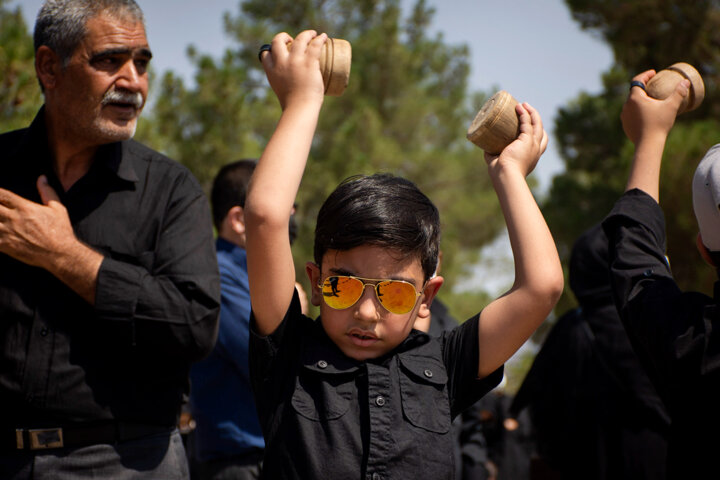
x=643, y=34
x=405, y=111
x=647, y=34
x=20, y=96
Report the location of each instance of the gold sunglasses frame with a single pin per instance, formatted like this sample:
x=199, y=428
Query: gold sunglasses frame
x=374, y=282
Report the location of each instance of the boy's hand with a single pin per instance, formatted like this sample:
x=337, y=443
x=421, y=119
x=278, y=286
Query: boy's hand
x=294, y=72
x=525, y=151
x=644, y=116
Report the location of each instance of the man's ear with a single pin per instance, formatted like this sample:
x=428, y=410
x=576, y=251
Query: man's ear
x=431, y=288
x=704, y=252
x=47, y=67
x=313, y=273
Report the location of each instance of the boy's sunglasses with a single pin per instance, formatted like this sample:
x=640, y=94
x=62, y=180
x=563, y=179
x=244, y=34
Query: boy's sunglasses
x=343, y=291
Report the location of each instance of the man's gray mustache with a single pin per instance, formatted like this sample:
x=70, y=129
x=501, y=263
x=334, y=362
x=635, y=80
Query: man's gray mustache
x=119, y=96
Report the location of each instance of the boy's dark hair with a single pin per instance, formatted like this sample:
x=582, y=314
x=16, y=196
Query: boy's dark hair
x=230, y=188
x=381, y=210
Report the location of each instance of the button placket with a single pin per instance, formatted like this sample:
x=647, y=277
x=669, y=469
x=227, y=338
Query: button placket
x=381, y=418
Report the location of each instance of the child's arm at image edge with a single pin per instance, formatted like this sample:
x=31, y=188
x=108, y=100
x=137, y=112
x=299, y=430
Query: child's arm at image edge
x=509, y=320
x=295, y=77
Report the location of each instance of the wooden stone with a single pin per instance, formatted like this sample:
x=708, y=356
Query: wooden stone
x=664, y=82
x=335, y=62
x=335, y=59
x=496, y=124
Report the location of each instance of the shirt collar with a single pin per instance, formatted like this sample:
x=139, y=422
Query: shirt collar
x=237, y=252
x=324, y=357
x=34, y=143
x=115, y=156
x=118, y=160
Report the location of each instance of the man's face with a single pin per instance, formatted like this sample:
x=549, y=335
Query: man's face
x=102, y=90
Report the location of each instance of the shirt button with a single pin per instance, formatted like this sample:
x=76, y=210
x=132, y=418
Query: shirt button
x=648, y=272
x=428, y=373
x=379, y=401
x=322, y=364
x=30, y=398
x=44, y=331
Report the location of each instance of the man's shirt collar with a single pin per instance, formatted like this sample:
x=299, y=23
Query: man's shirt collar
x=114, y=156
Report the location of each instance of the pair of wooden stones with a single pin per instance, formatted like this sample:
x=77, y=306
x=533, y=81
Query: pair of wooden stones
x=335, y=60
x=496, y=124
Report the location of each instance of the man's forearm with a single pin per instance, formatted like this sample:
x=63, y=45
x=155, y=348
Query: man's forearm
x=78, y=268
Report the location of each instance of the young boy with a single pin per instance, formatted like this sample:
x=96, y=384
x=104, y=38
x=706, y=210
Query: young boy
x=359, y=393
x=673, y=332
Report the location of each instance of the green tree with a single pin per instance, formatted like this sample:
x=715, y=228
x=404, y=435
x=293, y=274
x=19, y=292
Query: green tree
x=595, y=151
x=20, y=96
x=405, y=111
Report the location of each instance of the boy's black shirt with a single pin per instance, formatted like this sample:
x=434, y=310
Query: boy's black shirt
x=325, y=415
x=671, y=331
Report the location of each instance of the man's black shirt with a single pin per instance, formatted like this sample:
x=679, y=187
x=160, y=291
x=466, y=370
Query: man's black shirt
x=127, y=357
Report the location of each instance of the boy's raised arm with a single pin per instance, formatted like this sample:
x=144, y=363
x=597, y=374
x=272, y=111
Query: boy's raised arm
x=647, y=123
x=509, y=321
x=294, y=75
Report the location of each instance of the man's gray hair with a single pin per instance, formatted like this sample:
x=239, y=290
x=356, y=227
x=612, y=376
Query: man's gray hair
x=62, y=24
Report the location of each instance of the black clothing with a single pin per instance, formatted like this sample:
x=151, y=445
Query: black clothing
x=671, y=331
x=509, y=435
x=325, y=415
x=470, y=447
x=64, y=361
x=596, y=413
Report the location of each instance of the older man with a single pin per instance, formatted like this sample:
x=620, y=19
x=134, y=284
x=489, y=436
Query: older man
x=108, y=277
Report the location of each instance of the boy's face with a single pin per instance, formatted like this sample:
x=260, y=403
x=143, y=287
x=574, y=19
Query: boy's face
x=366, y=329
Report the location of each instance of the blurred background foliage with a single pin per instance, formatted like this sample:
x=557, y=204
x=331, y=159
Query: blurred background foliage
x=20, y=96
x=643, y=34
x=406, y=111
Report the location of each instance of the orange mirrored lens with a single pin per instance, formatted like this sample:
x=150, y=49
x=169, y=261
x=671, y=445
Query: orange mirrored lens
x=342, y=292
x=397, y=297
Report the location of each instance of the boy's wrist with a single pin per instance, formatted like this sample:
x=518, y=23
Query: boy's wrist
x=303, y=101
x=502, y=167
x=651, y=140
